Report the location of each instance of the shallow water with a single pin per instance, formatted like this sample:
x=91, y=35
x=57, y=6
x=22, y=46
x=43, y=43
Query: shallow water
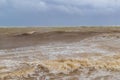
x=88, y=59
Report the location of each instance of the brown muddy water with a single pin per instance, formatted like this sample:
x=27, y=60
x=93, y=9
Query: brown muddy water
x=60, y=56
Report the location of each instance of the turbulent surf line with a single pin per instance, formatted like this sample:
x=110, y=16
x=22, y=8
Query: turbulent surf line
x=93, y=58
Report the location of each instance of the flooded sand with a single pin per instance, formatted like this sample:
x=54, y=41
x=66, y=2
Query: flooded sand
x=60, y=55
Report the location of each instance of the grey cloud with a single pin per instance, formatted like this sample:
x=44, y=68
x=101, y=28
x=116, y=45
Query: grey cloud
x=29, y=5
x=67, y=6
x=3, y=3
x=91, y=6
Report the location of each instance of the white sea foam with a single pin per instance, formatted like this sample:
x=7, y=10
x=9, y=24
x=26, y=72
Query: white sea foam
x=90, y=45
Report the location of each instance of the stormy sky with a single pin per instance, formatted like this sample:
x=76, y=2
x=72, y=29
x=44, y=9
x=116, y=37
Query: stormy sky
x=59, y=12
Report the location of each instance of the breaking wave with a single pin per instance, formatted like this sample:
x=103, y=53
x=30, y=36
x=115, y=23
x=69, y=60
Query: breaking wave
x=95, y=58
